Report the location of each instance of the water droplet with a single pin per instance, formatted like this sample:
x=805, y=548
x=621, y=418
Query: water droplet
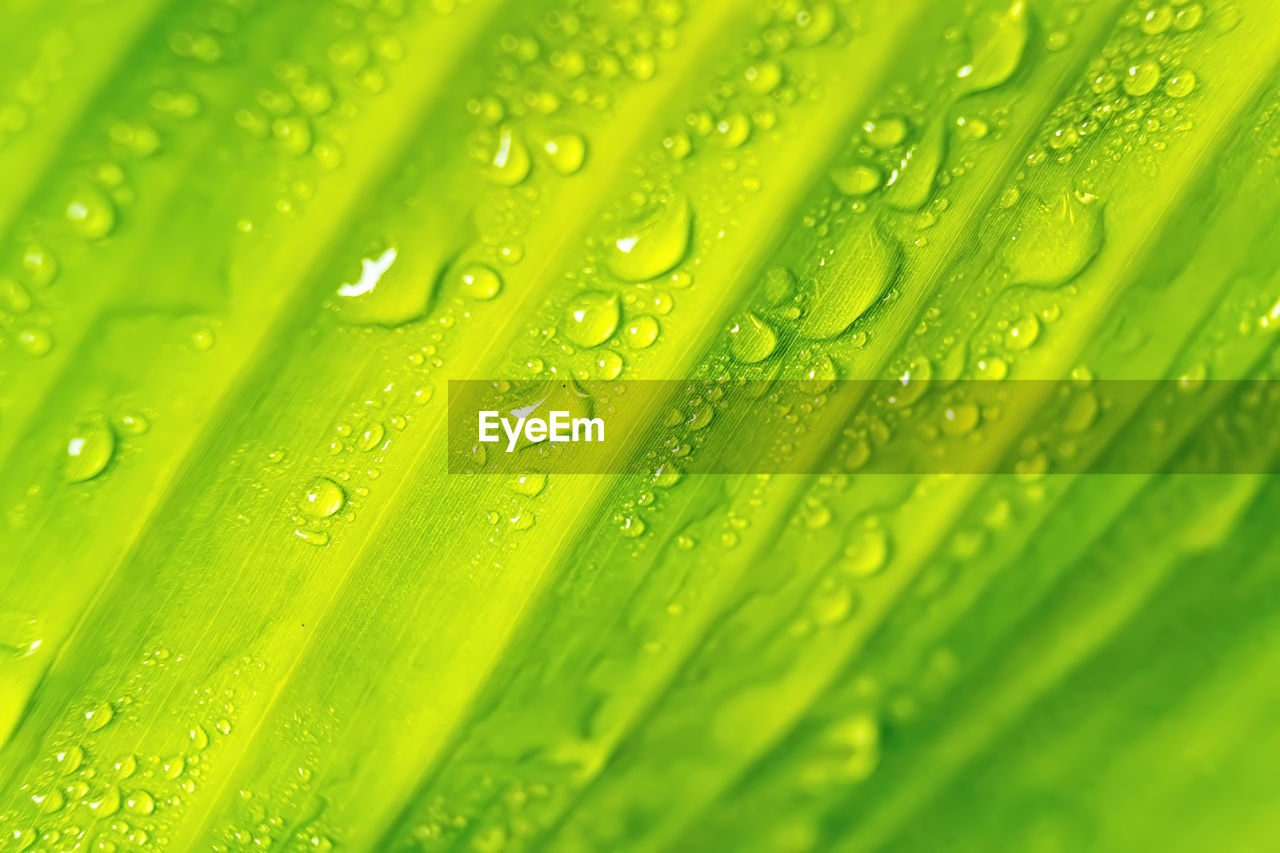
x=293, y=134
x=763, y=77
x=480, y=282
x=371, y=436
x=323, y=498
x=844, y=292
x=819, y=376
x=388, y=292
x=1022, y=334
x=913, y=382
x=1181, y=84
x=732, y=130
x=91, y=213
x=1055, y=240
x=993, y=368
x=886, y=132
x=653, y=243
x=814, y=24
x=1189, y=17
x=14, y=297
x=751, y=340
x=97, y=717
x=530, y=485
x=509, y=164
x=565, y=152
x=641, y=332
x=1141, y=78
x=89, y=450
x=39, y=265
x=960, y=419
x=35, y=342
x=856, y=181
x=107, y=804
x=592, y=318
x=1157, y=20
x=911, y=184
x=866, y=552
x=631, y=525
x=997, y=42
x=140, y=803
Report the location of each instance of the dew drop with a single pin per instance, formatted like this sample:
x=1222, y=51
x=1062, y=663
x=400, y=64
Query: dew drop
x=388, y=292
x=323, y=498
x=998, y=42
x=886, y=132
x=530, y=485
x=371, y=437
x=88, y=452
x=751, y=340
x=866, y=552
x=844, y=292
x=1181, y=84
x=763, y=77
x=1141, y=78
x=35, y=342
x=91, y=213
x=566, y=152
x=1022, y=334
x=653, y=243
x=819, y=377
x=960, y=419
x=856, y=181
x=641, y=332
x=509, y=163
x=592, y=318
x=911, y=184
x=1055, y=240
x=480, y=282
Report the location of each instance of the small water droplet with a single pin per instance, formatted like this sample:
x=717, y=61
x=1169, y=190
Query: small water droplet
x=480, y=282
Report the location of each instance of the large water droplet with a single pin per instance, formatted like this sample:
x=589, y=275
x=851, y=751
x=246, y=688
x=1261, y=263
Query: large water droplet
x=751, y=340
x=856, y=279
x=387, y=292
x=1055, y=240
x=480, y=282
x=998, y=41
x=91, y=213
x=509, y=164
x=88, y=452
x=323, y=498
x=653, y=243
x=565, y=152
x=591, y=318
x=911, y=184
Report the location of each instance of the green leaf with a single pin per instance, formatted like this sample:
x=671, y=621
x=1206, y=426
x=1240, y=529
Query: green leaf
x=246, y=246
